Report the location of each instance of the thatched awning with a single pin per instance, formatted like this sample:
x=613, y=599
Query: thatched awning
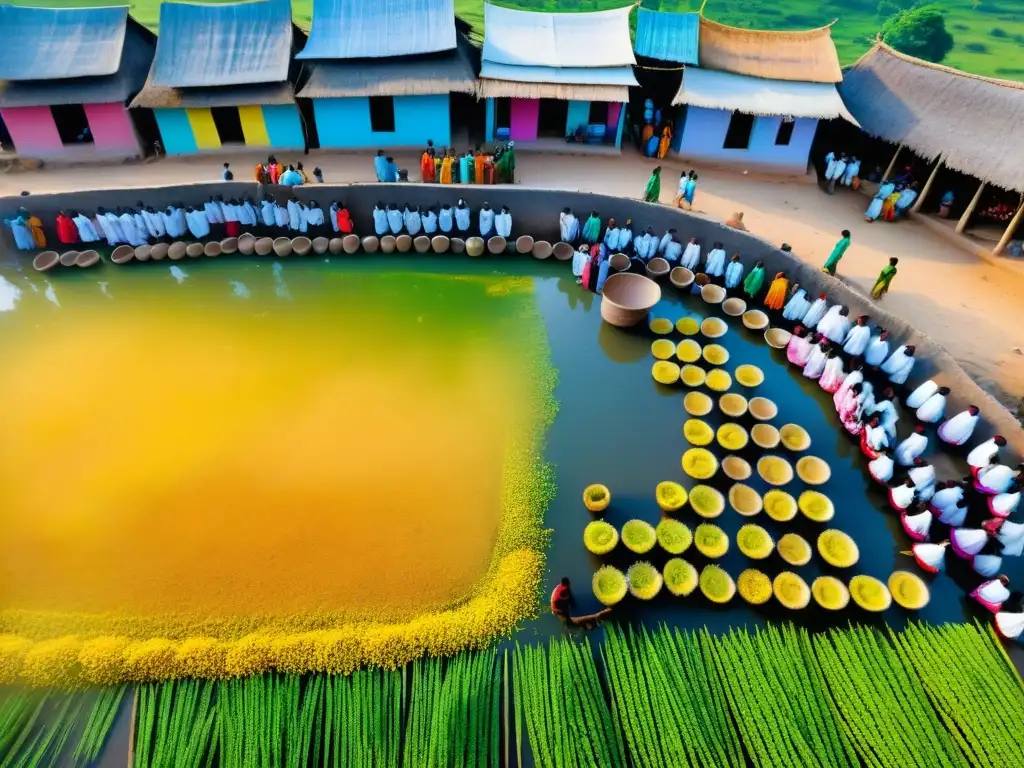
x=449, y=72
x=155, y=97
x=972, y=121
x=499, y=89
x=806, y=55
x=758, y=96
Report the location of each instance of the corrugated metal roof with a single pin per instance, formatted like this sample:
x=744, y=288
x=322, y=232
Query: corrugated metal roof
x=525, y=38
x=60, y=43
x=205, y=45
x=759, y=96
x=667, y=36
x=371, y=29
x=136, y=56
x=571, y=75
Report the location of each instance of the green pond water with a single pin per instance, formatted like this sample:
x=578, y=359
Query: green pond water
x=615, y=426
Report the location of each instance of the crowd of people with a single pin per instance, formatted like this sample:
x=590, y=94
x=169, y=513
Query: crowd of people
x=389, y=219
x=446, y=166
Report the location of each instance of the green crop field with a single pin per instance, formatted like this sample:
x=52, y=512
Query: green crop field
x=989, y=34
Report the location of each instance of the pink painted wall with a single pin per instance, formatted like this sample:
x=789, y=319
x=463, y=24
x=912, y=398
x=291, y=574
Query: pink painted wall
x=32, y=130
x=524, y=118
x=612, y=126
x=112, y=129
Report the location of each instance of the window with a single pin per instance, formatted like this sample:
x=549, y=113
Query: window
x=72, y=124
x=785, y=134
x=502, y=113
x=738, y=135
x=228, y=123
x=598, y=113
x=382, y=114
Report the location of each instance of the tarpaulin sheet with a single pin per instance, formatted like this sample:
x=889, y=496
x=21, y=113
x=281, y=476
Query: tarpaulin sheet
x=667, y=36
x=363, y=29
x=202, y=46
x=60, y=43
x=524, y=38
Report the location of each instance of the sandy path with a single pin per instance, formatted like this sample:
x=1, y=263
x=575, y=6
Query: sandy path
x=972, y=308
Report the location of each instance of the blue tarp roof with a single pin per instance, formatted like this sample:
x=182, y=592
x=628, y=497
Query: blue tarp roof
x=363, y=29
x=667, y=36
x=60, y=43
x=201, y=46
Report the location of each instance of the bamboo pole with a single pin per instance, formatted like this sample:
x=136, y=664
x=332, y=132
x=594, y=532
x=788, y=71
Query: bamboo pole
x=1010, y=228
x=892, y=164
x=927, y=186
x=965, y=219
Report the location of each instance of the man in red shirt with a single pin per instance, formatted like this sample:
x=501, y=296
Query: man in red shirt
x=561, y=598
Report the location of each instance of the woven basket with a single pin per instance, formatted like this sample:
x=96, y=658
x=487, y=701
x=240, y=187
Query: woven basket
x=387, y=244
x=246, y=243
x=541, y=249
x=176, y=251
x=563, y=251
x=458, y=245
x=120, y=255
x=337, y=245
x=87, y=259
x=371, y=244
x=475, y=246
x=524, y=244
x=403, y=243
x=46, y=260
x=421, y=244
x=194, y=250
x=283, y=246
x=229, y=245
x=264, y=246
x=302, y=246
x=619, y=262
x=627, y=298
x=657, y=268
x=681, y=277
x=158, y=252
x=350, y=244
x=497, y=244
x=142, y=253
x=212, y=248
x=441, y=243
x=321, y=244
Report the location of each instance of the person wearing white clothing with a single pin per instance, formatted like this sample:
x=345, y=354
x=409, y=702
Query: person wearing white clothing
x=912, y=447
x=816, y=362
x=989, y=560
x=673, y=252
x=985, y=453
x=930, y=556
x=249, y=212
x=932, y=409
x=579, y=260
x=486, y=221
x=923, y=477
x=918, y=525
x=856, y=341
x=838, y=169
x=231, y=212
x=110, y=225
x=967, y=542
x=997, y=478
x=413, y=222
x=880, y=468
x=948, y=494
x=198, y=224
x=665, y=240
x=877, y=349
x=715, y=266
x=816, y=312
x=380, y=219
x=267, y=211
x=832, y=377
x=314, y=215
x=280, y=216
x=691, y=255
x=992, y=594
x=428, y=219
x=503, y=222
x=175, y=221
x=130, y=229
x=462, y=218
x=446, y=219
x=611, y=237
x=900, y=364
x=856, y=376
x=916, y=398
x=1004, y=504
x=734, y=272
x=836, y=324
x=852, y=170
x=294, y=215
x=154, y=222
x=568, y=225
x=213, y=211
x=86, y=231
x=1011, y=536
x=884, y=409
x=958, y=430
x=797, y=305
x=1009, y=624
x=902, y=496
x=395, y=219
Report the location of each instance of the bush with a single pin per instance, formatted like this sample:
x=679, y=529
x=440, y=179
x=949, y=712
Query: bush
x=998, y=32
x=976, y=48
x=919, y=32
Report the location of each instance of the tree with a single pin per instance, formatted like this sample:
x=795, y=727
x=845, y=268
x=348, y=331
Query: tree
x=919, y=32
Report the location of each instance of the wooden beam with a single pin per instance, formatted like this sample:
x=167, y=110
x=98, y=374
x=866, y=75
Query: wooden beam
x=927, y=186
x=1009, y=229
x=892, y=164
x=962, y=224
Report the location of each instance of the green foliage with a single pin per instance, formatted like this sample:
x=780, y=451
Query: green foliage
x=919, y=32
x=887, y=8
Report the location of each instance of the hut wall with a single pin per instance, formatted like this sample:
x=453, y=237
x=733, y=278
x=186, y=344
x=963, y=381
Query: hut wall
x=524, y=120
x=113, y=132
x=33, y=131
x=175, y=131
x=192, y=130
x=344, y=123
x=704, y=132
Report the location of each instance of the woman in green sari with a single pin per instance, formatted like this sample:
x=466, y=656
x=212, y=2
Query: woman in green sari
x=884, y=279
x=653, y=189
x=753, y=282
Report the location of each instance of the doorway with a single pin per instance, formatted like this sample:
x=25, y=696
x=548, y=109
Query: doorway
x=228, y=124
x=552, y=118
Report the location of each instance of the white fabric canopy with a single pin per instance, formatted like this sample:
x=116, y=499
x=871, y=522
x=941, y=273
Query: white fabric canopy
x=759, y=96
x=524, y=38
x=572, y=75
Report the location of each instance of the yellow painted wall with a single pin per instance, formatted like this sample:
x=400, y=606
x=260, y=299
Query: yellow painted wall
x=254, y=127
x=203, y=128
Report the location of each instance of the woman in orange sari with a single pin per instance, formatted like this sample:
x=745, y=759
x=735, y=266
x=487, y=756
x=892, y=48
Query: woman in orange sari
x=666, y=140
x=427, y=168
x=479, y=167
x=776, y=297
x=446, y=169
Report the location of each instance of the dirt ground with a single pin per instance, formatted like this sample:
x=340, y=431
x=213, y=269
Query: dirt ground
x=972, y=308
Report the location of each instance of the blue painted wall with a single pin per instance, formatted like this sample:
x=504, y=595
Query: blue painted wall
x=703, y=134
x=345, y=123
x=175, y=131
x=577, y=114
x=284, y=127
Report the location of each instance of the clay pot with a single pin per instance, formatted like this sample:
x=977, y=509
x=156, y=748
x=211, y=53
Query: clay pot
x=123, y=254
x=87, y=258
x=247, y=244
x=497, y=244
x=475, y=246
x=302, y=246
x=458, y=245
x=387, y=244
x=371, y=244
x=657, y=268
x=541, y=249
x=440, y=243
x=403, y=243
x=142, y=253
x=229, y=245
x=321, y=244
x=734, y=307
x=194, y=250
x=777, y=338
x=176, y=251
x=619, y=262
x=755, y=319
x=68, y=258
x=336, y=244
x=264, y=246
x=159, y=252
x=350, y=244
x=563, y=251
x=421, y=244
x=46, y=260
x=712, y=294
x=283, y=246
x=627, y=298
x=681, y=277
x=212, y=249
x=524, y=244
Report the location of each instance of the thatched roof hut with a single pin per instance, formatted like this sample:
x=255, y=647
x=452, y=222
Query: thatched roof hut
x=935, y=110
x=805, y=55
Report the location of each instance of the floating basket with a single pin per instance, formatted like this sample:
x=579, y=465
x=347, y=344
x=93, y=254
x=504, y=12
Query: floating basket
x=69, y=258
x=247, y=244
x=762, y=409
x=680, y=577
x=755, y=319
x=774, y=470
x=737, y=469
x=627, y=298
x=597, y=497
x=673, y=536
x=177, y=251
x=838, y=549
x=263, y=247
x=813, y=471
x=681, y=277
x=718, y=380
x=663, y=349
x=816, y=506
x=830, y=593
x=619, y=262
x=692, y=375
x=121, y=255
x=563, y=251
x=794, y=438
x=712, y=294
x=45, y=261
x=794, y=549
x=665, y=372
x=697, y=404
x=754, y=541
x=159, y=251
x=698, y=432
x=777, y=338
x=688, y=351
x=734, y=307
x=142, y=253
x=609, y=585
x=732, y=437
x=671, y=497
x=600, y=537
x=779, y=506
x=733, y=405
x=541, y=249
x=700, y=463
x=195, y=250
x=403, y=243
x=660, y=325
x=688, y=326
x=657, y=268
x=716, y=354
x=321, y=245
x=749, y=375
x=230, y=245
x=700, y=279
x=212, y=249
x=706, y=501
x=387, y=244
x=440, y=243
x=301, y=246
x=371, y=244
x=791, y=591
x=744, y=499
x=644, y=580
x=869, y=593
x=908, y=590
x=524, y=244
x=458, y=245
x=754, y=586
x=337, y=245
x=714, y=327
x=496, y=244
x=351, y=243
x=710, y=540
x=421, y=244
x=716, y=584
x=639, y=536
x=87, y=259
x=765, y=436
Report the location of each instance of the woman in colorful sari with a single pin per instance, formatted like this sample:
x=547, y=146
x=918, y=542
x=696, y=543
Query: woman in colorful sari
x=889, y=207
x=878, y=202
x=446, y=169
x=733, y=272
x=797, y=305
x=753, y=282
x=592, y=267
x=798, y=350
x=653, y=189
x=776, y=297
x=592, y=229
x=833, y=375
x=816, y=361
x=427, y=167
x=837, y=253
x=856, y=376
x=991, y=594
x=929, y=557
x=884, y=279
x=873, y=439
x=665, y=142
